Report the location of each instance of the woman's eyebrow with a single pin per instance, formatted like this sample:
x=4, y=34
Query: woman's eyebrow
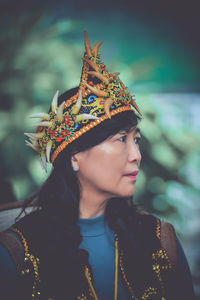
x=137, y=130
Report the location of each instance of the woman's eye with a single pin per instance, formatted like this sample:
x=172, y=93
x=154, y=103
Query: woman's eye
x=137, y=140
x=122, y=138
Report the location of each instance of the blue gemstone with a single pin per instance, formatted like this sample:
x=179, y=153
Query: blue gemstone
x=91, y=98
x=76, y=126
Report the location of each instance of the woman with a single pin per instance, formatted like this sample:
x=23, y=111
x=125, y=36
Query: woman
x=85, y=239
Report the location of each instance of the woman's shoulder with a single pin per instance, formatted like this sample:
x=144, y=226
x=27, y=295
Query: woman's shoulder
x=16, y=238
x=30, y=223
x=14, y=265
x=7, y=243
x=150, y=226
x=11, y=250
x=164, y=228
x=161, y=231
x=9, y=279
x=11, y=262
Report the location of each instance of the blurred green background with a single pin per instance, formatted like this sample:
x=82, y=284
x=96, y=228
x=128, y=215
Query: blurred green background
x=155, y=46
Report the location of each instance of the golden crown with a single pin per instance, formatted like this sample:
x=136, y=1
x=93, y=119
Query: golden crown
x=100, y=96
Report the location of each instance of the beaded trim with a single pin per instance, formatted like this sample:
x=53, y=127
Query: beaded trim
x=161, y=263
x=158, y=226
x=89, y=279
x=129, y=286
x=82, y=297
x=86, y=128
x=149, y=292
x=34, y=262
x=160, y=260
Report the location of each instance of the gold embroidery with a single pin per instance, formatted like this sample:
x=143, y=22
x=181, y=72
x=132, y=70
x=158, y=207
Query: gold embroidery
x=34, y=262
x=158, y=229
x=160, y=263
x=82, y=297
x=89, y=279
x=148, y=292
x=86, y=128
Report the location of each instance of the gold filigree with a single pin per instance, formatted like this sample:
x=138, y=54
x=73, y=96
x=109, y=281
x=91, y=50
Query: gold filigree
x=160, y=264
x=34, y=262
x=82, y=297
x=158, y=227
x=149, y=292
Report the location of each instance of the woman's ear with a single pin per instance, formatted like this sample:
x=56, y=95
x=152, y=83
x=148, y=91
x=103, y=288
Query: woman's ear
x=74, y=163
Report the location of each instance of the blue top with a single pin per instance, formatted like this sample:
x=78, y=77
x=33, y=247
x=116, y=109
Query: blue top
x=98, y=240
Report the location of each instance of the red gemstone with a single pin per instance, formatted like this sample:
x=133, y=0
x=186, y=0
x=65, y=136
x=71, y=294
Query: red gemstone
x=59, y=139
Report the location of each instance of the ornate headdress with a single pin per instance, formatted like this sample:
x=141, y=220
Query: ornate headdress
x=100, y=96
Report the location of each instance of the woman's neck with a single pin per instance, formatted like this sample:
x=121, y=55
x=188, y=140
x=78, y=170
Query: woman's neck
x=90, y=208
x=92, y=202
x=89, y=212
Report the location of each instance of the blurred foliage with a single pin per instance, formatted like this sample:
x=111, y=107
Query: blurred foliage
x=40, y=54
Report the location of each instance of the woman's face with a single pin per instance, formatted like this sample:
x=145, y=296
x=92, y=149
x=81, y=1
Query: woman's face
x=105, y=170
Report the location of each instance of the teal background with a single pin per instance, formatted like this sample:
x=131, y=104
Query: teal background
x=155, y=47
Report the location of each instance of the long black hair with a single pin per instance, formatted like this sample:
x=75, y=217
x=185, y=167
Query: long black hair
x=57, y=235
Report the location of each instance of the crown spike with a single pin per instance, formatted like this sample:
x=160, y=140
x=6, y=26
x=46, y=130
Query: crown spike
x=83, y=117
x=97, y=92
x=99, y=76
x=76, y=108
x=33, y=141
x=136, y=107
x=31, y=146
x=54, y=104
x=60, y=117
x=95, y=48
x=87, y=44
x=44, y=123
x=43, y=161
x=92, y=64
x=38, y=135
x=122, y=85
x=40, y=115
x=48, y=150
x=107, y=105
x=30, y=135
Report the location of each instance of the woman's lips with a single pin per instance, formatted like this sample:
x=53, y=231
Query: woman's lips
x=133, y=175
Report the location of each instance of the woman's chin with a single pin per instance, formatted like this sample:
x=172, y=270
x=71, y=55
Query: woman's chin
x=127, y=193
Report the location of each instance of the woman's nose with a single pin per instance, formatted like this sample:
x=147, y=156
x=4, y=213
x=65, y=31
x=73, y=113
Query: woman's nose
x=134, y=153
